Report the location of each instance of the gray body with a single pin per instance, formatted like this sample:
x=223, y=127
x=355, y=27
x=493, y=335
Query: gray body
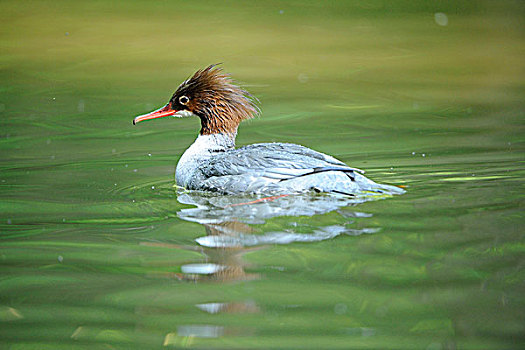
x=213, y=163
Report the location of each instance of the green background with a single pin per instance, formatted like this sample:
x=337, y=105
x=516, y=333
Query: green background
x=423, y=94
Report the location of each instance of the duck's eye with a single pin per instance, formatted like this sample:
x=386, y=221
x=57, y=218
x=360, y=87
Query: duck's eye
x=183, y=100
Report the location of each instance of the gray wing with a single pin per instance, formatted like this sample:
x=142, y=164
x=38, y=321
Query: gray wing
x=259, y=165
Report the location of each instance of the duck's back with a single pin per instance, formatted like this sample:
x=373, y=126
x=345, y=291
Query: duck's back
x=277, y=168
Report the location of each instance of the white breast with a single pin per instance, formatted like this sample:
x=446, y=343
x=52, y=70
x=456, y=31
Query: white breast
x=201, y=150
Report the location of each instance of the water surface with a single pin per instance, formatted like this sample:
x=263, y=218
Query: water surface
x=98, y=248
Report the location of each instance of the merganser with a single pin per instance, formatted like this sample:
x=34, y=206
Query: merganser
x=212, y=163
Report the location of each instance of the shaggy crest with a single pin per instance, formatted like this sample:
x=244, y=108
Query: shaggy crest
x=220, y=104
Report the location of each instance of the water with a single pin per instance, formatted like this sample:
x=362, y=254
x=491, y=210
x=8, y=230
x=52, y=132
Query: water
x=99, y=250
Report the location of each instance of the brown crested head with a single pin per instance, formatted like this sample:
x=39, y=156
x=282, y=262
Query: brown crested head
x=211, y=95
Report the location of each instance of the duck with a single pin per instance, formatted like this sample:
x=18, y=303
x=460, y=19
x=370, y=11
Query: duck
x=214, y=164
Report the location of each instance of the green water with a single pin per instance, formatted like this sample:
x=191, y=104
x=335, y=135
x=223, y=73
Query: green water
x=98, y=250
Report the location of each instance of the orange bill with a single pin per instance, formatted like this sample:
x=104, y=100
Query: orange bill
x=165, y=111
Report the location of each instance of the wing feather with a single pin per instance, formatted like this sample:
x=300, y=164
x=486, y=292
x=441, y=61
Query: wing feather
x=266, y=163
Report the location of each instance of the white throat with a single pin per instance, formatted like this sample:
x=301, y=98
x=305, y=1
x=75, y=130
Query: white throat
x=202, y=149
x=213, y=142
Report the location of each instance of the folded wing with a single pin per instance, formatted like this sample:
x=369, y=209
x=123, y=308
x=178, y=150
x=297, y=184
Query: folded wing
x=259, y=166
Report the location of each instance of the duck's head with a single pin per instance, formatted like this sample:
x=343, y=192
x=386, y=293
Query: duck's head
x=211, y=95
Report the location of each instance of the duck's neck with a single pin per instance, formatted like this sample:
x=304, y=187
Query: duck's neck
x=213, y=142
x=217, y=121
x=201, y=150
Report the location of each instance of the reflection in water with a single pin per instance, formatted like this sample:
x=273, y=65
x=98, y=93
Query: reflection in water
x=229, y=223
x=242, y=307
x=229, y=220
x=201, y=331
x=212, y=209
x=242, y=240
